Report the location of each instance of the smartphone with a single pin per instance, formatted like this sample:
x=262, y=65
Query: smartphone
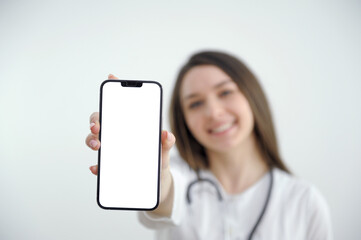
x=129, y=158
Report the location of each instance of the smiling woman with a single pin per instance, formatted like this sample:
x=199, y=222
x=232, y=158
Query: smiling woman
x=246, y=100
x=229, y=181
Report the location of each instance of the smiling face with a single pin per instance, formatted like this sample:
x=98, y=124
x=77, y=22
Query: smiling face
x=215, y=110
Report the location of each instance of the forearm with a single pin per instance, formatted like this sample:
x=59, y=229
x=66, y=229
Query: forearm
x=165, y=206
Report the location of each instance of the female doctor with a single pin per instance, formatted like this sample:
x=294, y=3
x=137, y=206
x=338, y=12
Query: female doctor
x=229, y=181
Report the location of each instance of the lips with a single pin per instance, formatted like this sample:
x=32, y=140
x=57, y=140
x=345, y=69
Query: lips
x=221, y=128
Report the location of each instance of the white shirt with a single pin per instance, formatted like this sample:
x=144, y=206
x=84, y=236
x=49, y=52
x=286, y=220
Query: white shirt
x=296, y=210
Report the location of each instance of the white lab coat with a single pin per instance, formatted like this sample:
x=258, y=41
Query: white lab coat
x=296, y=210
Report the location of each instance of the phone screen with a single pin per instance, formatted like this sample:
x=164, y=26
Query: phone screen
x=130, y=134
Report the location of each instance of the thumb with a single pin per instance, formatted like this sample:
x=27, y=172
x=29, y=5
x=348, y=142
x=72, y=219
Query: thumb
x=168, y=141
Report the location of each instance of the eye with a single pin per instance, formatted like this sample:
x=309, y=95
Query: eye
x=195, y=104
x=225, y=93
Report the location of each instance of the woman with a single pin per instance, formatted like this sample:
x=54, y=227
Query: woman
x=230, y=182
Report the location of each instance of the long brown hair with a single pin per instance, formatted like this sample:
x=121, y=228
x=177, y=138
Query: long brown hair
x=189, y=148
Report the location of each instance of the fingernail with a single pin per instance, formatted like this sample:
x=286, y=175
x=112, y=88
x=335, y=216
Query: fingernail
x=110, y=75
x=92, y=125
x=93, y=143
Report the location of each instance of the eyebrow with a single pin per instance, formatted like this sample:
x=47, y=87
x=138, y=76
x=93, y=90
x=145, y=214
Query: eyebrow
x=218, y=85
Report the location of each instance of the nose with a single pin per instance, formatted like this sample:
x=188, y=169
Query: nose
x=214, y=108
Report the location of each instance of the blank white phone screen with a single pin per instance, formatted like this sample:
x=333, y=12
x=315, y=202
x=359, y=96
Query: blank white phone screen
x=129, y=156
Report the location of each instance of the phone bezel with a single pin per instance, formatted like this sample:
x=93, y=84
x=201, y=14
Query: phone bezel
x=133, y=83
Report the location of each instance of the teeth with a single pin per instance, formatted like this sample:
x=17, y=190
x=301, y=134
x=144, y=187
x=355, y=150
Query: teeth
x=222, y=128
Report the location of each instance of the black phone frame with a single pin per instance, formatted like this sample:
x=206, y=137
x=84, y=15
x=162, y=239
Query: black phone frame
x=131, y=83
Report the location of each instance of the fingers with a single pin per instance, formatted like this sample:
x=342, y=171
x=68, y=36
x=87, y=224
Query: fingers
x=92, y=139
x=112, y=77
x=93, y=142
x=94, y=123
x=94, y=169
x=168, y=141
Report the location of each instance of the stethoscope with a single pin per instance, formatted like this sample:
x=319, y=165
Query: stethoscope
x=220, y=198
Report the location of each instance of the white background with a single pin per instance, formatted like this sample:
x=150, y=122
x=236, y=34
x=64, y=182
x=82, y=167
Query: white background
x=55, y=54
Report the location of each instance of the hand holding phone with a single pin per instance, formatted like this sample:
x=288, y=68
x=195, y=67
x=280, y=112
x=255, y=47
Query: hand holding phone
x=167, y=140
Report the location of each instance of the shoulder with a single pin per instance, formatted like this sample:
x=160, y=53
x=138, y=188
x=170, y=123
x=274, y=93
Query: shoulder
x=290, y=184
x=301, y=199
x=294, y=188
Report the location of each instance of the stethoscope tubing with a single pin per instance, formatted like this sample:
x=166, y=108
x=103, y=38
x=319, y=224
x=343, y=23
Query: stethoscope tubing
x=220, y=198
